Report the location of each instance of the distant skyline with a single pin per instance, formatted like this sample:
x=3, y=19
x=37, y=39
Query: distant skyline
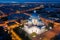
x=21, y=1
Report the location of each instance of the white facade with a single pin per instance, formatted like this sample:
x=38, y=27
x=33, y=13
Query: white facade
x=32, y=26
x=34, y=29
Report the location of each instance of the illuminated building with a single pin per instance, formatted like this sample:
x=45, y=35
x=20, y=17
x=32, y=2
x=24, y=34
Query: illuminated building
x=34, y=25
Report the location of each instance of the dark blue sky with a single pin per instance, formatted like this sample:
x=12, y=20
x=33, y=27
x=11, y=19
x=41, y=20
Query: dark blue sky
x=9, y=1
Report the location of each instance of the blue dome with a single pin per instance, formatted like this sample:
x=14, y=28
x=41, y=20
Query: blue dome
x=34, y=15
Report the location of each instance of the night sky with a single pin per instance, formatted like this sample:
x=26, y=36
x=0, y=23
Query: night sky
x=21, y=1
